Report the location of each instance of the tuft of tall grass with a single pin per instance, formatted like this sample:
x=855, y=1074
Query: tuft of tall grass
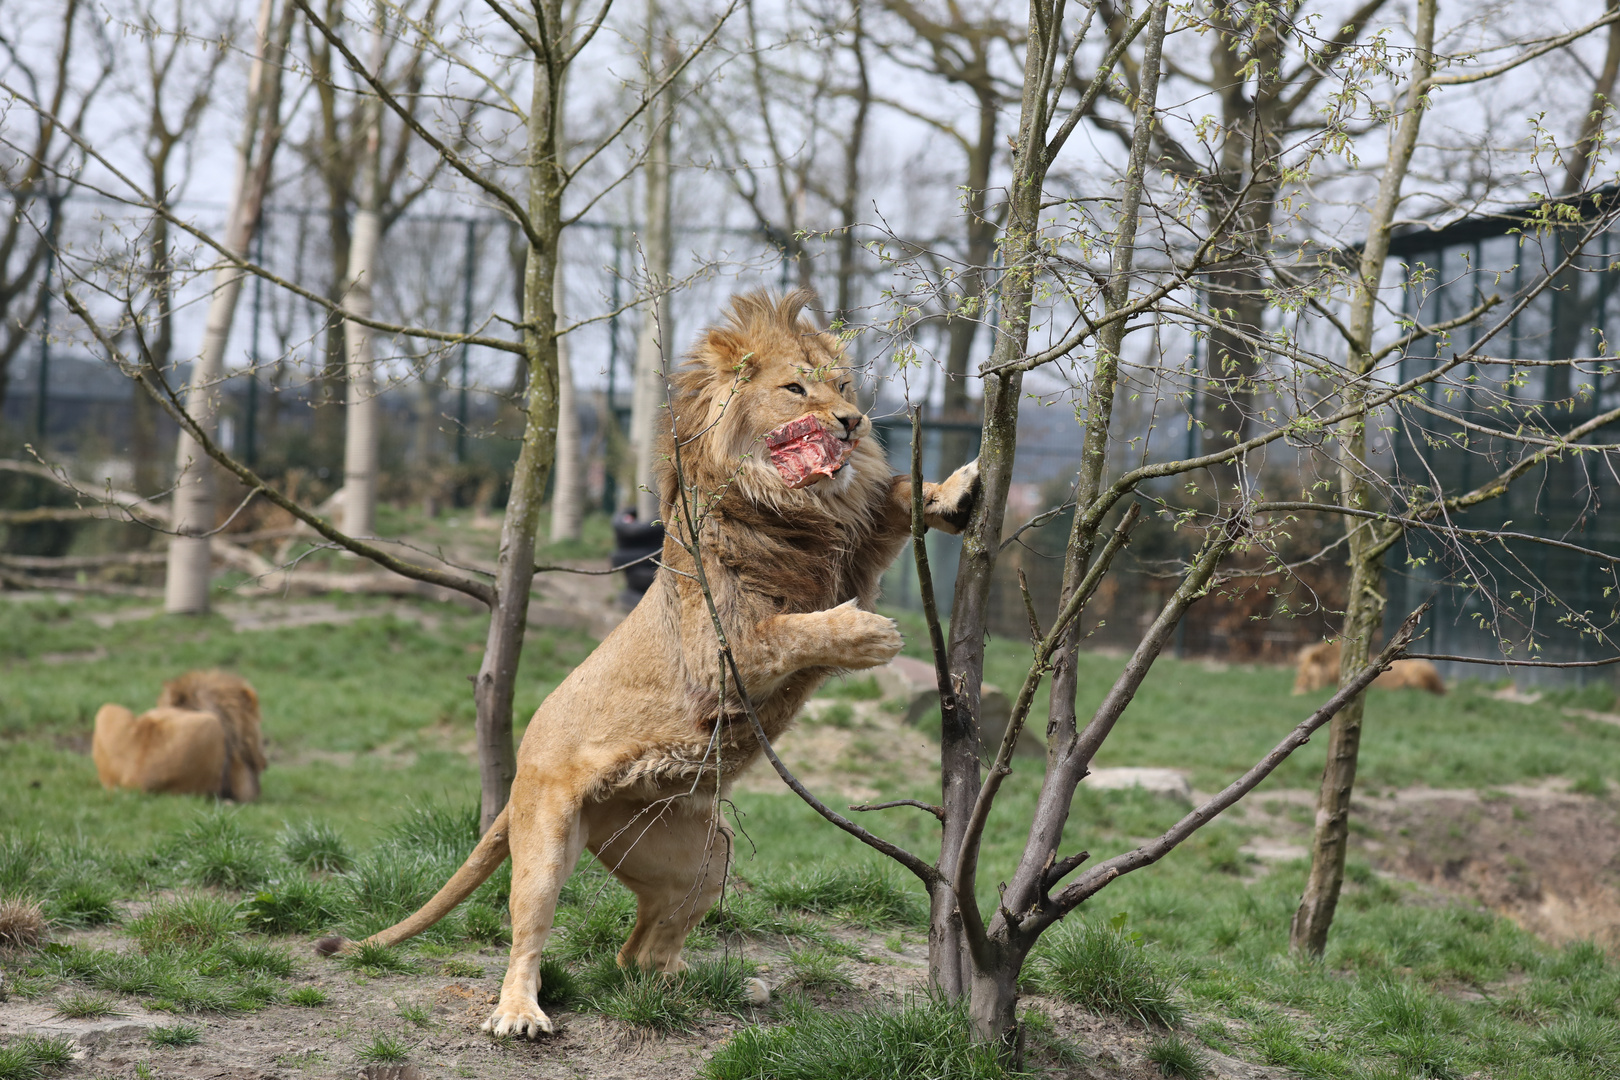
x=1105, y=968
x=922, y=1040
x=387, y=885
x=81, y=1006
x=195, y=921
x=31, y=1057
x=1174, y=1056
x=82, y=901
x=316, y=845
x=22, y=923
x=597, y=930
x=384, y=1049
x=307, y=997
x=559, y=986
x=644, y=999
x=817, y=969
x=484, y=925
x=175, y=1035
x=296, y=905
x=374, y=959
x=865, y=893
x=215, y=850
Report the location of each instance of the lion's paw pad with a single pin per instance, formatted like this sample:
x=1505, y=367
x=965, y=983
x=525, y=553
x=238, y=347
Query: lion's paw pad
x=530, y=1022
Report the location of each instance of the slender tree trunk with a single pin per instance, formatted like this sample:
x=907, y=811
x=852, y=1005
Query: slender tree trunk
x=1365, y=604
x=190, y=556
x=495, y=684
x=361, y=405
x=568, y=493
x=656, y=332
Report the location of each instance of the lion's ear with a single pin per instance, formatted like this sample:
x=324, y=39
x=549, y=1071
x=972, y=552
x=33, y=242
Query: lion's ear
x=726, y=351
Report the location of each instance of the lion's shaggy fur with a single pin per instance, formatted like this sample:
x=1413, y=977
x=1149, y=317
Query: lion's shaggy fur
x=203, y=738
x=1318, y=669
x=629, y=756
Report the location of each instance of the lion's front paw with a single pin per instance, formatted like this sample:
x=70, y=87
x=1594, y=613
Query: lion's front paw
x=948, y=506
x=866, y=639
x=524, y=1018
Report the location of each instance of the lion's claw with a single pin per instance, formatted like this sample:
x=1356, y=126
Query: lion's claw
x=530, y=1022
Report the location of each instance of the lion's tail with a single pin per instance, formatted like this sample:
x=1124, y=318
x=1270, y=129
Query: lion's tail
x=485, y=859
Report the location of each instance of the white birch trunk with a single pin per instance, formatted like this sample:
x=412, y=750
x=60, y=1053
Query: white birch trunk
x=646, y=404
x=568, y=492
x=190, y=563
x=360, y=411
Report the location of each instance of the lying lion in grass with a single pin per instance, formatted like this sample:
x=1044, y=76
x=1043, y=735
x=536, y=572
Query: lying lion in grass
x=202, y=739
x=625, y=758
x=1318, y=669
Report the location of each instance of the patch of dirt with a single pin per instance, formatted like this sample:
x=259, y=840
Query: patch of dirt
x=870, y=753
x=1544, y=856
x=289, y=1043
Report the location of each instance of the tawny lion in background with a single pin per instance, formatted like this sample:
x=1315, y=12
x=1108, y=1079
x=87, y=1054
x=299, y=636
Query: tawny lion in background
x=202, y=739
x=1319, y=669
x=627, y=758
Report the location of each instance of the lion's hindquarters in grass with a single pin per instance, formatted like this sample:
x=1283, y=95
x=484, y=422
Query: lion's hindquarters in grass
x=1318, y=668
x=203, y=738
x=625, y=757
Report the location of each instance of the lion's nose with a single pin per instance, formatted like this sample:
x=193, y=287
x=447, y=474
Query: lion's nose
x=851, y=422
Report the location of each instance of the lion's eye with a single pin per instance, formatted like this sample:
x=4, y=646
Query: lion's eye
x=794, y=388
x=844, y=389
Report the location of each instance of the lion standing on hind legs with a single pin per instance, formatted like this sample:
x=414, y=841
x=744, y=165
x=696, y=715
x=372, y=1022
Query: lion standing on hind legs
x=798, y=514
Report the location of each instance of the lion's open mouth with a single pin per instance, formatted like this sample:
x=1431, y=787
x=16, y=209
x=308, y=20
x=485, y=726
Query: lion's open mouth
x=804, y=451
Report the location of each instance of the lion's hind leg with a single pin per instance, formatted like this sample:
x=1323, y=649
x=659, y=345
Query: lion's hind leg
x=674, y=858
x=547, y=837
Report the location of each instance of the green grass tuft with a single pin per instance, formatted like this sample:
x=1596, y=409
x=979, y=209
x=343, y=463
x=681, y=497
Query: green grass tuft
x=316, y=845
x=560, y=988
x=644, y=999
x=307, y=997
x=175, y=1035
x=295, y=905
x=817, y=969
x=921, y=1041
x=195, y=921
x=599, y=929
x=31, y=1057
x=83, y=901
x=1174, y=1056
x=81, y=1006
x=215, y=850
x=416, y=1015
x=384, y=1049
x=865, y=894
x=464, y=969
x=374, y=959
x=1105, y=968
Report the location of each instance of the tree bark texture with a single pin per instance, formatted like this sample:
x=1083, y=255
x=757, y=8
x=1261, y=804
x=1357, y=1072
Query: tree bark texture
x=654, y=336
x=361, y=405
x=190, y=555
x=494, y=685
x=568, y=492
x=1365, y=604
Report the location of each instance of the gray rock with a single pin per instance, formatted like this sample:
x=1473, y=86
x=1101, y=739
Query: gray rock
x=914, y=682
x=1166, y=783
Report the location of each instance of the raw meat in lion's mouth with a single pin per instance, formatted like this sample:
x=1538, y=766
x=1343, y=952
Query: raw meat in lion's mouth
x=804, y=451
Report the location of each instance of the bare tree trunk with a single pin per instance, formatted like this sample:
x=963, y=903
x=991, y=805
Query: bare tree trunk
x=568, y=492
x=361, y=406
x=494, y=686
x=190, y=556
x=1365, y=604
x=655, y=332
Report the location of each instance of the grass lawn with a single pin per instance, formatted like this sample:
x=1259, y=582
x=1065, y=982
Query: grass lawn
x=366, y=808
